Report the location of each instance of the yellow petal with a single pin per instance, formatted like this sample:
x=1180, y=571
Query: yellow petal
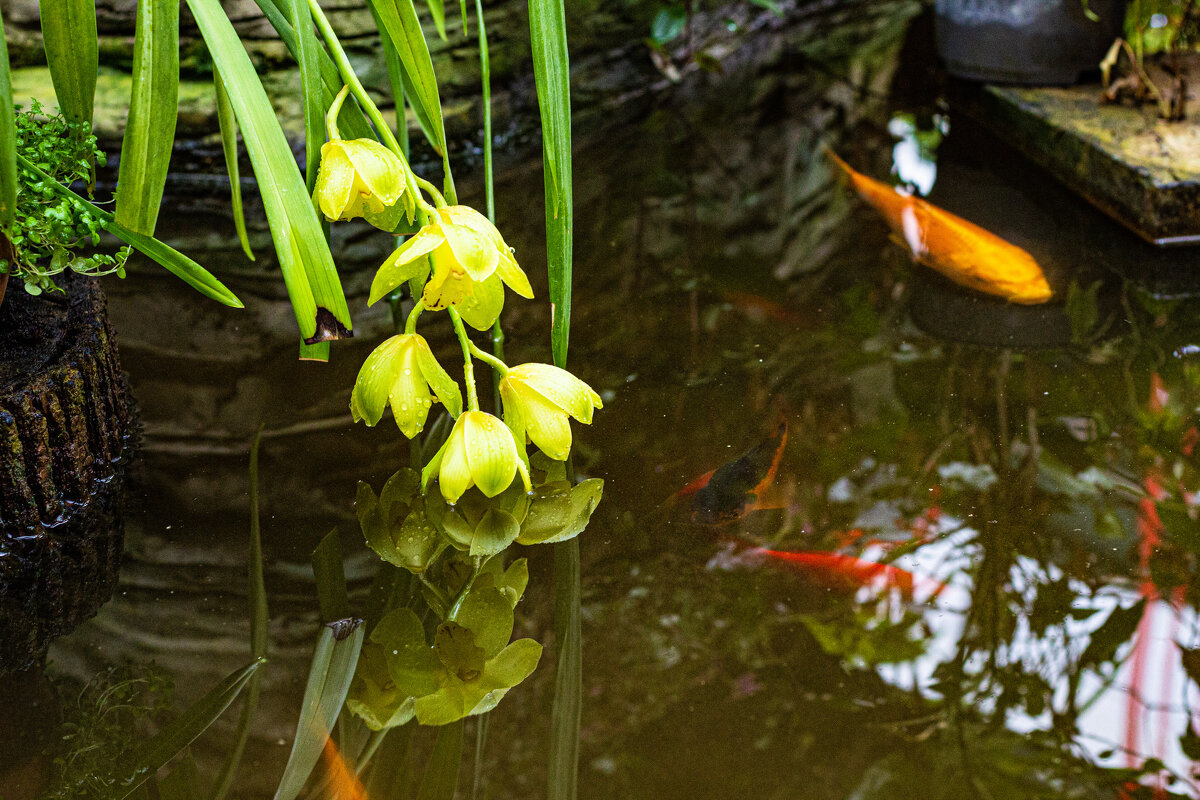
x=491, y=452
x=513, y=275
x=409, y=396
x=559, y=387
x=546, y=424
x=374, y=382
x=381, y=173
x=335, y=179
x=482, y=307
x=474, y=251
x=448, y=285
x=404, y=263
x=444, y=387
x=454, y=475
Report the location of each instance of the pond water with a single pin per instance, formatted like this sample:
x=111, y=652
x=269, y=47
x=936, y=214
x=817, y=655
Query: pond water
x=1027, y=474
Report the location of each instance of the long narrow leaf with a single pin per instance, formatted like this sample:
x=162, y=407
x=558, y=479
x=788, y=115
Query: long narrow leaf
x=8, y=142
x=437, y=10
x=551, y=71
x=351, y=122
x=166, y=256
x=568, y=679
x=399, y=19
x=185, y=728
x=330, y=576
x=328, y=683
x=391, y=766
x=183, y=782
x=308, y=271
x=229, y=139
x=441, y=772
x=307, y=50
x=72, y=53
x=257, y=592
x=153, y=110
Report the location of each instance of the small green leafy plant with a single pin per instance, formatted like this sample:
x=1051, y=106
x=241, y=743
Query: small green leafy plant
x=102, y=727
x=50, y=228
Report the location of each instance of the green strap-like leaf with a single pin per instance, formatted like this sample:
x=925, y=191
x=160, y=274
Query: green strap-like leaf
x=441, y=772
x=328, y=683
x=307, y=56
x=351, y=122
x=308, y=271
x=258, y=632
x=399, y=19
x=227, y=122
x=437, y=10
x=563, y=772
x=551, y=71
x=184, y=729
x=153, y=110
x=166, y=256
x=8, y=142
x=72, y=53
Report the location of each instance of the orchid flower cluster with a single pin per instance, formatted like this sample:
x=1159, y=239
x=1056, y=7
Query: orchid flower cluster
x=451, y=540
x=460, y=263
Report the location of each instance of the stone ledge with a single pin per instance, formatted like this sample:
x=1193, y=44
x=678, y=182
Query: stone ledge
x=1141, y=171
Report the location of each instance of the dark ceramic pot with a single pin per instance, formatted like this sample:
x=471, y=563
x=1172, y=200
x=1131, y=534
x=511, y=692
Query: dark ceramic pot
x=1031, y=42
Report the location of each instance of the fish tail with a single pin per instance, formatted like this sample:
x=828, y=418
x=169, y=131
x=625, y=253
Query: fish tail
x=836, y=159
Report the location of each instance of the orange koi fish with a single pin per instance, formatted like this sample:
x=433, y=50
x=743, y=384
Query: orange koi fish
x=842, y=572
x=343, y=783
x=962, y=251
x=733, y=490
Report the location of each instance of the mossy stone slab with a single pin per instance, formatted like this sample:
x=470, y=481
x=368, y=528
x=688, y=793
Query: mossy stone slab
x=1140, y=170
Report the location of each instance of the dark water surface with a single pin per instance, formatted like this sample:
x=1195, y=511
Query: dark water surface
x=1037, y=504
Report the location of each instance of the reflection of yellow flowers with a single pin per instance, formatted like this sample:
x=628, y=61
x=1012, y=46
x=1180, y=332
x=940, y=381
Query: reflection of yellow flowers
x=538, y=398
x=467, y=265
x=480, y=452
x=401, y=371
x=362, y=178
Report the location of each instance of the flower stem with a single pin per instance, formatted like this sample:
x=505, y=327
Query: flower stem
x=436, y=591
x=433, y=192
x=360, y=94
x=489, y=359
x=331, y=115
x=462, y=594
x=410, y=324
x=468, y=366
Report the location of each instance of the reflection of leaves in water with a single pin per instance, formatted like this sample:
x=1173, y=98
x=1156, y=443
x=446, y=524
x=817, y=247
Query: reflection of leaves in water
x=102, y=726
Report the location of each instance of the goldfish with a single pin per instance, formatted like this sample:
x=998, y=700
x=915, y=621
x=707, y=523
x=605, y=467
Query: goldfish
x=343, y=784
x=733, y=490
x=840, y=571
x=961, y=250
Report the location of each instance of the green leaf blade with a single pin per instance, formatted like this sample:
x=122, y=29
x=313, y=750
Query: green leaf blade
x=185, y=728
x=153, y=111
x=309, y=273
x=72, y=53
x=8, y=142
x=551, y=70
x=227, y=122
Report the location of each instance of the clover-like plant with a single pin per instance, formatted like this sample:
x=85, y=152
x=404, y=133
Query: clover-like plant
x=50, y=229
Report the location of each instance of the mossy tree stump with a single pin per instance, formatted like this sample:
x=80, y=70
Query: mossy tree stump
x=65, y=432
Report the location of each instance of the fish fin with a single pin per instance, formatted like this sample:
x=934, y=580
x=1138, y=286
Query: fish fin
x=836, y=159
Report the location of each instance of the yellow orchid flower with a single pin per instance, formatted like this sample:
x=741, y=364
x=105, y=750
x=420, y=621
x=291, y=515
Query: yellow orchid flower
x=480, y=452
x=362, y=178
x=538, y=398
x=467, y=267
x=401, y=372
